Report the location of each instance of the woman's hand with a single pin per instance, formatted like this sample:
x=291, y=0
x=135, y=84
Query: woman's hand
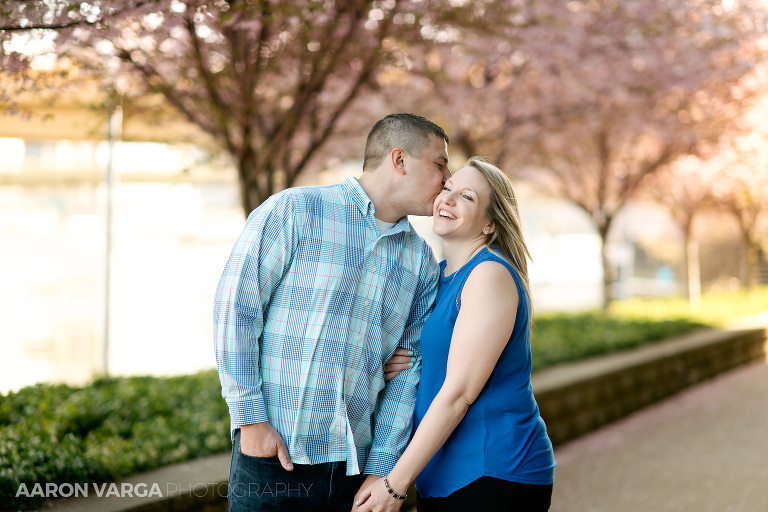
x=375, y=498
x=401, y=360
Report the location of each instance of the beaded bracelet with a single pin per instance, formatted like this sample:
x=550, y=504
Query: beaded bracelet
x=392, y=491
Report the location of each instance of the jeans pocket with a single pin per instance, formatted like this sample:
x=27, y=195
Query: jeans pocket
x=271, y=458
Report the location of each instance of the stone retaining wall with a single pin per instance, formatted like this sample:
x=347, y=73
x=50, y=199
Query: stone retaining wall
x=575, y=399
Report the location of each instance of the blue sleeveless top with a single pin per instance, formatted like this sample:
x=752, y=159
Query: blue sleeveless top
x=502, y=434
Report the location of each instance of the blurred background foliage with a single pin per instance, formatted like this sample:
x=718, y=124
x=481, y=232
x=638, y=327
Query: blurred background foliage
x=599, y=102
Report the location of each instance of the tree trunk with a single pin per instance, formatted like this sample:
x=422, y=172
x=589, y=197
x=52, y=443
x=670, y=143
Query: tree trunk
x=693, y=273
x=606, y=278
x=752, y=255
x=249, y=176
x=692, y=265
x=607, y=269
x=463, y=141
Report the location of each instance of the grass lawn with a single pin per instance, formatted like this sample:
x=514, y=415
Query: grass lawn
x=560, y=338
x=717, y=308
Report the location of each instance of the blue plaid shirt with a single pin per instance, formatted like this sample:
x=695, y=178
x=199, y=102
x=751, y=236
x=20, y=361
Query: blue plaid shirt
x=313, y=300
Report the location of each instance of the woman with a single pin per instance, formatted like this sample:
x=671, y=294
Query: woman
x=479, y=443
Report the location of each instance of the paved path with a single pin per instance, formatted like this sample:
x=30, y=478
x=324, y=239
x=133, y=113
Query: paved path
x=703, y=450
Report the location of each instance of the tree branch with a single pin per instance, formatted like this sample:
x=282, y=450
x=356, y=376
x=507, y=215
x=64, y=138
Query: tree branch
x=75, y=23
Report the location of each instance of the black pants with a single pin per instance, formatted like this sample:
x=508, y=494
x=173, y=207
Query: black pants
x=488, y=494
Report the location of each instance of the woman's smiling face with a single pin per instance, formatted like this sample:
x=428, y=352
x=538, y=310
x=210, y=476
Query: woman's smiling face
x=460, y=209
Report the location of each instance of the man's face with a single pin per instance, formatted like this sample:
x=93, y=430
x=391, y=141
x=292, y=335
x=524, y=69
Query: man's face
x=425, y=176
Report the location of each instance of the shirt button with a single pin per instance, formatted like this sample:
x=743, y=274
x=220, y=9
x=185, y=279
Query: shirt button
x=374, y=269
x=367, y=302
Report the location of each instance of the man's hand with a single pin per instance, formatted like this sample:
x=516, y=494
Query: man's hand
x=262, y=440
x=373, y=497
x=401, y=360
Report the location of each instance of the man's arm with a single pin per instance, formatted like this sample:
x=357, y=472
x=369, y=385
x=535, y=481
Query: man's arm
x=394, y=412
x=259, y=260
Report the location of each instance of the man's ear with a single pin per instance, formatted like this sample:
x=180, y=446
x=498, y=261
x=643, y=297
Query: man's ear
x=397, y=158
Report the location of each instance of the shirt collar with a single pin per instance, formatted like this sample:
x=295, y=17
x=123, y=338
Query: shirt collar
x=366, y=206
x=352, y=187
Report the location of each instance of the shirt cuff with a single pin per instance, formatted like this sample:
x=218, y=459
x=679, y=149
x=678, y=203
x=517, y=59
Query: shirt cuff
x=380, y=462
x=245, y=412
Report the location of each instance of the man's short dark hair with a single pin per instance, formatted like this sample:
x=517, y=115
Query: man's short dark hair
x=406, y=131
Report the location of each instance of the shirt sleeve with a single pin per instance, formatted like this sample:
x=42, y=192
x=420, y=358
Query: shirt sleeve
x=393, y=415
x=258, y=261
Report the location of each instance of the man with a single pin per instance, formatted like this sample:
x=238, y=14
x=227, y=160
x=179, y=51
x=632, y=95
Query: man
x=322, y=286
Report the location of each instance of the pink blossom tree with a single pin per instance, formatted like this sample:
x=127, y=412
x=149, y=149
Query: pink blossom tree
x=686, y=188
x=745, y=196
x=591, y=98
x=271, y=82
x=742, y=189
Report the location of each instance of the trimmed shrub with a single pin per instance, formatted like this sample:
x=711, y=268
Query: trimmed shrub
x=106, y=430
x=564, y=338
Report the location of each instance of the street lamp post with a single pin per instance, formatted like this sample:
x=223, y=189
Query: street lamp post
x=114, y=132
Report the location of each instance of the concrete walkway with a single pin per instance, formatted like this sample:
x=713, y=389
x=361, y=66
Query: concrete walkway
x=197, y=485
x=703, y=450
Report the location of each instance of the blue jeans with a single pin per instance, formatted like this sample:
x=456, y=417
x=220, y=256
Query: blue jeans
x=261, y=484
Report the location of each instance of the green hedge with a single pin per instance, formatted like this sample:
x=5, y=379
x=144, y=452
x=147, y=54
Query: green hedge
x=561, y=338
x=106, y=430
x=565, y=338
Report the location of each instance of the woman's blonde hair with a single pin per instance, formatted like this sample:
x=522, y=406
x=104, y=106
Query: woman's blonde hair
x=503, y=210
